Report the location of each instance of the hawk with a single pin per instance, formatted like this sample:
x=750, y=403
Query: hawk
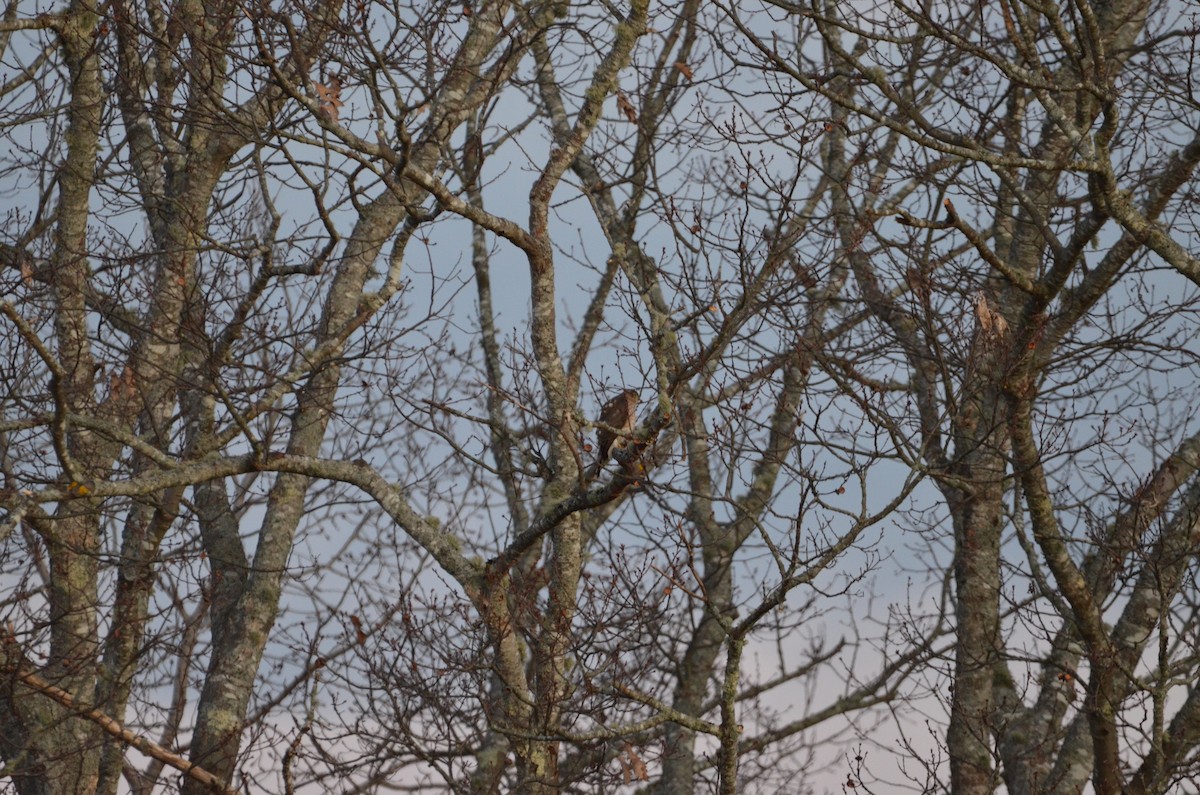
x=619, y=412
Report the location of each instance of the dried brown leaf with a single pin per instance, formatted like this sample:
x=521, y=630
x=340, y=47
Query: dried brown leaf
x=636, y=764
x=359, y=634
x=123, y=386
x=329, y=96
x=991, y=322
x=626, y=108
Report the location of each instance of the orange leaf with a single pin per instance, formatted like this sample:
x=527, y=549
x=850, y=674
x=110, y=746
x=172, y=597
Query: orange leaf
x=684, y=69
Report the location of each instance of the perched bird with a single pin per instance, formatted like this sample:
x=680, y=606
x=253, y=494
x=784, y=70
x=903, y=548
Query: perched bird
x=619, y=412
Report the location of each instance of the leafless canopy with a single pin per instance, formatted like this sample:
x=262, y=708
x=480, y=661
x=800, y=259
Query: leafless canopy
x=310, y=311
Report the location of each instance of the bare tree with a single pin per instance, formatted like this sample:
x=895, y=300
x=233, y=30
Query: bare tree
x=1056, y=140
x=313, y=310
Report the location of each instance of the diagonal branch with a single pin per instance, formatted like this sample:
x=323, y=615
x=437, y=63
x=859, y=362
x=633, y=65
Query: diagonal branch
x=114, y=728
